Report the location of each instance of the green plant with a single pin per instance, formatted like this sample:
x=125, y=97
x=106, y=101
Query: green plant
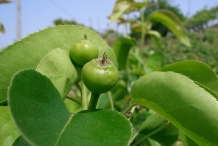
x=82, y=51
x=151, y=104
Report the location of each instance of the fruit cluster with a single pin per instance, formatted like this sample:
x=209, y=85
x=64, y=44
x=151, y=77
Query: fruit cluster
x=98, y=74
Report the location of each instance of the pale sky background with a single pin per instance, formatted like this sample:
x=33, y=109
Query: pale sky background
x=39, y=14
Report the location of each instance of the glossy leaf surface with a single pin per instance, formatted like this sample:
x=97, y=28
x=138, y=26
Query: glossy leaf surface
x=43, y=119
x=178, y=99
x=168, y=19
x=28, y=52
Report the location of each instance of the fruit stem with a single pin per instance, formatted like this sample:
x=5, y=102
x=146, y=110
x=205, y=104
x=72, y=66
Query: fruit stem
x=111, y=100
x=84, y=97
x=93, y=101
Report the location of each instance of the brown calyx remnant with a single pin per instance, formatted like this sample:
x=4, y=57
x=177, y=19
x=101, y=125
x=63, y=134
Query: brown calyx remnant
x=103, y=61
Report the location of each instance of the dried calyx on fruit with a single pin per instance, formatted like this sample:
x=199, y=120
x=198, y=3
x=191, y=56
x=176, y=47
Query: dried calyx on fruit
x=100, y=75
x=82, y=51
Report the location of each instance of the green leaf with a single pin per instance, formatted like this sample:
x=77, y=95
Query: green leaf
x=156, y=59
x=28, y=52
x=153, y=143
x=150, y=68
x=197, y=71
x=120, y=7
x=140, y=5
x=166, y=137
x=121, y=48
x=125, y=6
x=137, y=27
x=58, y=67
x=155, y=36
x=186, y=141
x=43, y=119
x=20, y=142
x=9, y=132
x=168, y=19
x=178, y=99
x=214, y=94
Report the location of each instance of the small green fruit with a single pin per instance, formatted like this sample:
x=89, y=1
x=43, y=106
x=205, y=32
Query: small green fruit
x=82, y=51
x=100, y=75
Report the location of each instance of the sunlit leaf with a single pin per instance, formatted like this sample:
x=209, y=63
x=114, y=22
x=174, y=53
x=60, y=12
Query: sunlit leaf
x=9, y=132
x=120, y=7
x=137, y=6
x=125, y=6
x=168, y=19
x=182, y=102
x=58, y=67
x=28, y=52
x=197, y=71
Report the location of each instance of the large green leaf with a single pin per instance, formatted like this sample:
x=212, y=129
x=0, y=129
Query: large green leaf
x=166, y=137
x=58, y=67
x=28, y=52
x=43, y=119
x=168, y=19
x=178, y=99
x=9, y=132
x=197, y=71
x=121, y=47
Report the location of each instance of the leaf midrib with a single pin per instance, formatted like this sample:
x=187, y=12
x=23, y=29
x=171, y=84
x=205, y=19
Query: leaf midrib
x=65, y=126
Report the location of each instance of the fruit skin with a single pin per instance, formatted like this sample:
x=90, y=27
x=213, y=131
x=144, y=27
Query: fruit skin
x=99, y=77
x=82, y=51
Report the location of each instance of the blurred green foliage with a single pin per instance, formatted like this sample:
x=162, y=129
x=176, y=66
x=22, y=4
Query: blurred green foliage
x=60, y=21
x=154, y=5
x=200, y=20
x=204, y=48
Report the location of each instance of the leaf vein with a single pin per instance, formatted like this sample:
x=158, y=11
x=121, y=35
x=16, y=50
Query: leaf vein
x=179, y=108
x=65, y=126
